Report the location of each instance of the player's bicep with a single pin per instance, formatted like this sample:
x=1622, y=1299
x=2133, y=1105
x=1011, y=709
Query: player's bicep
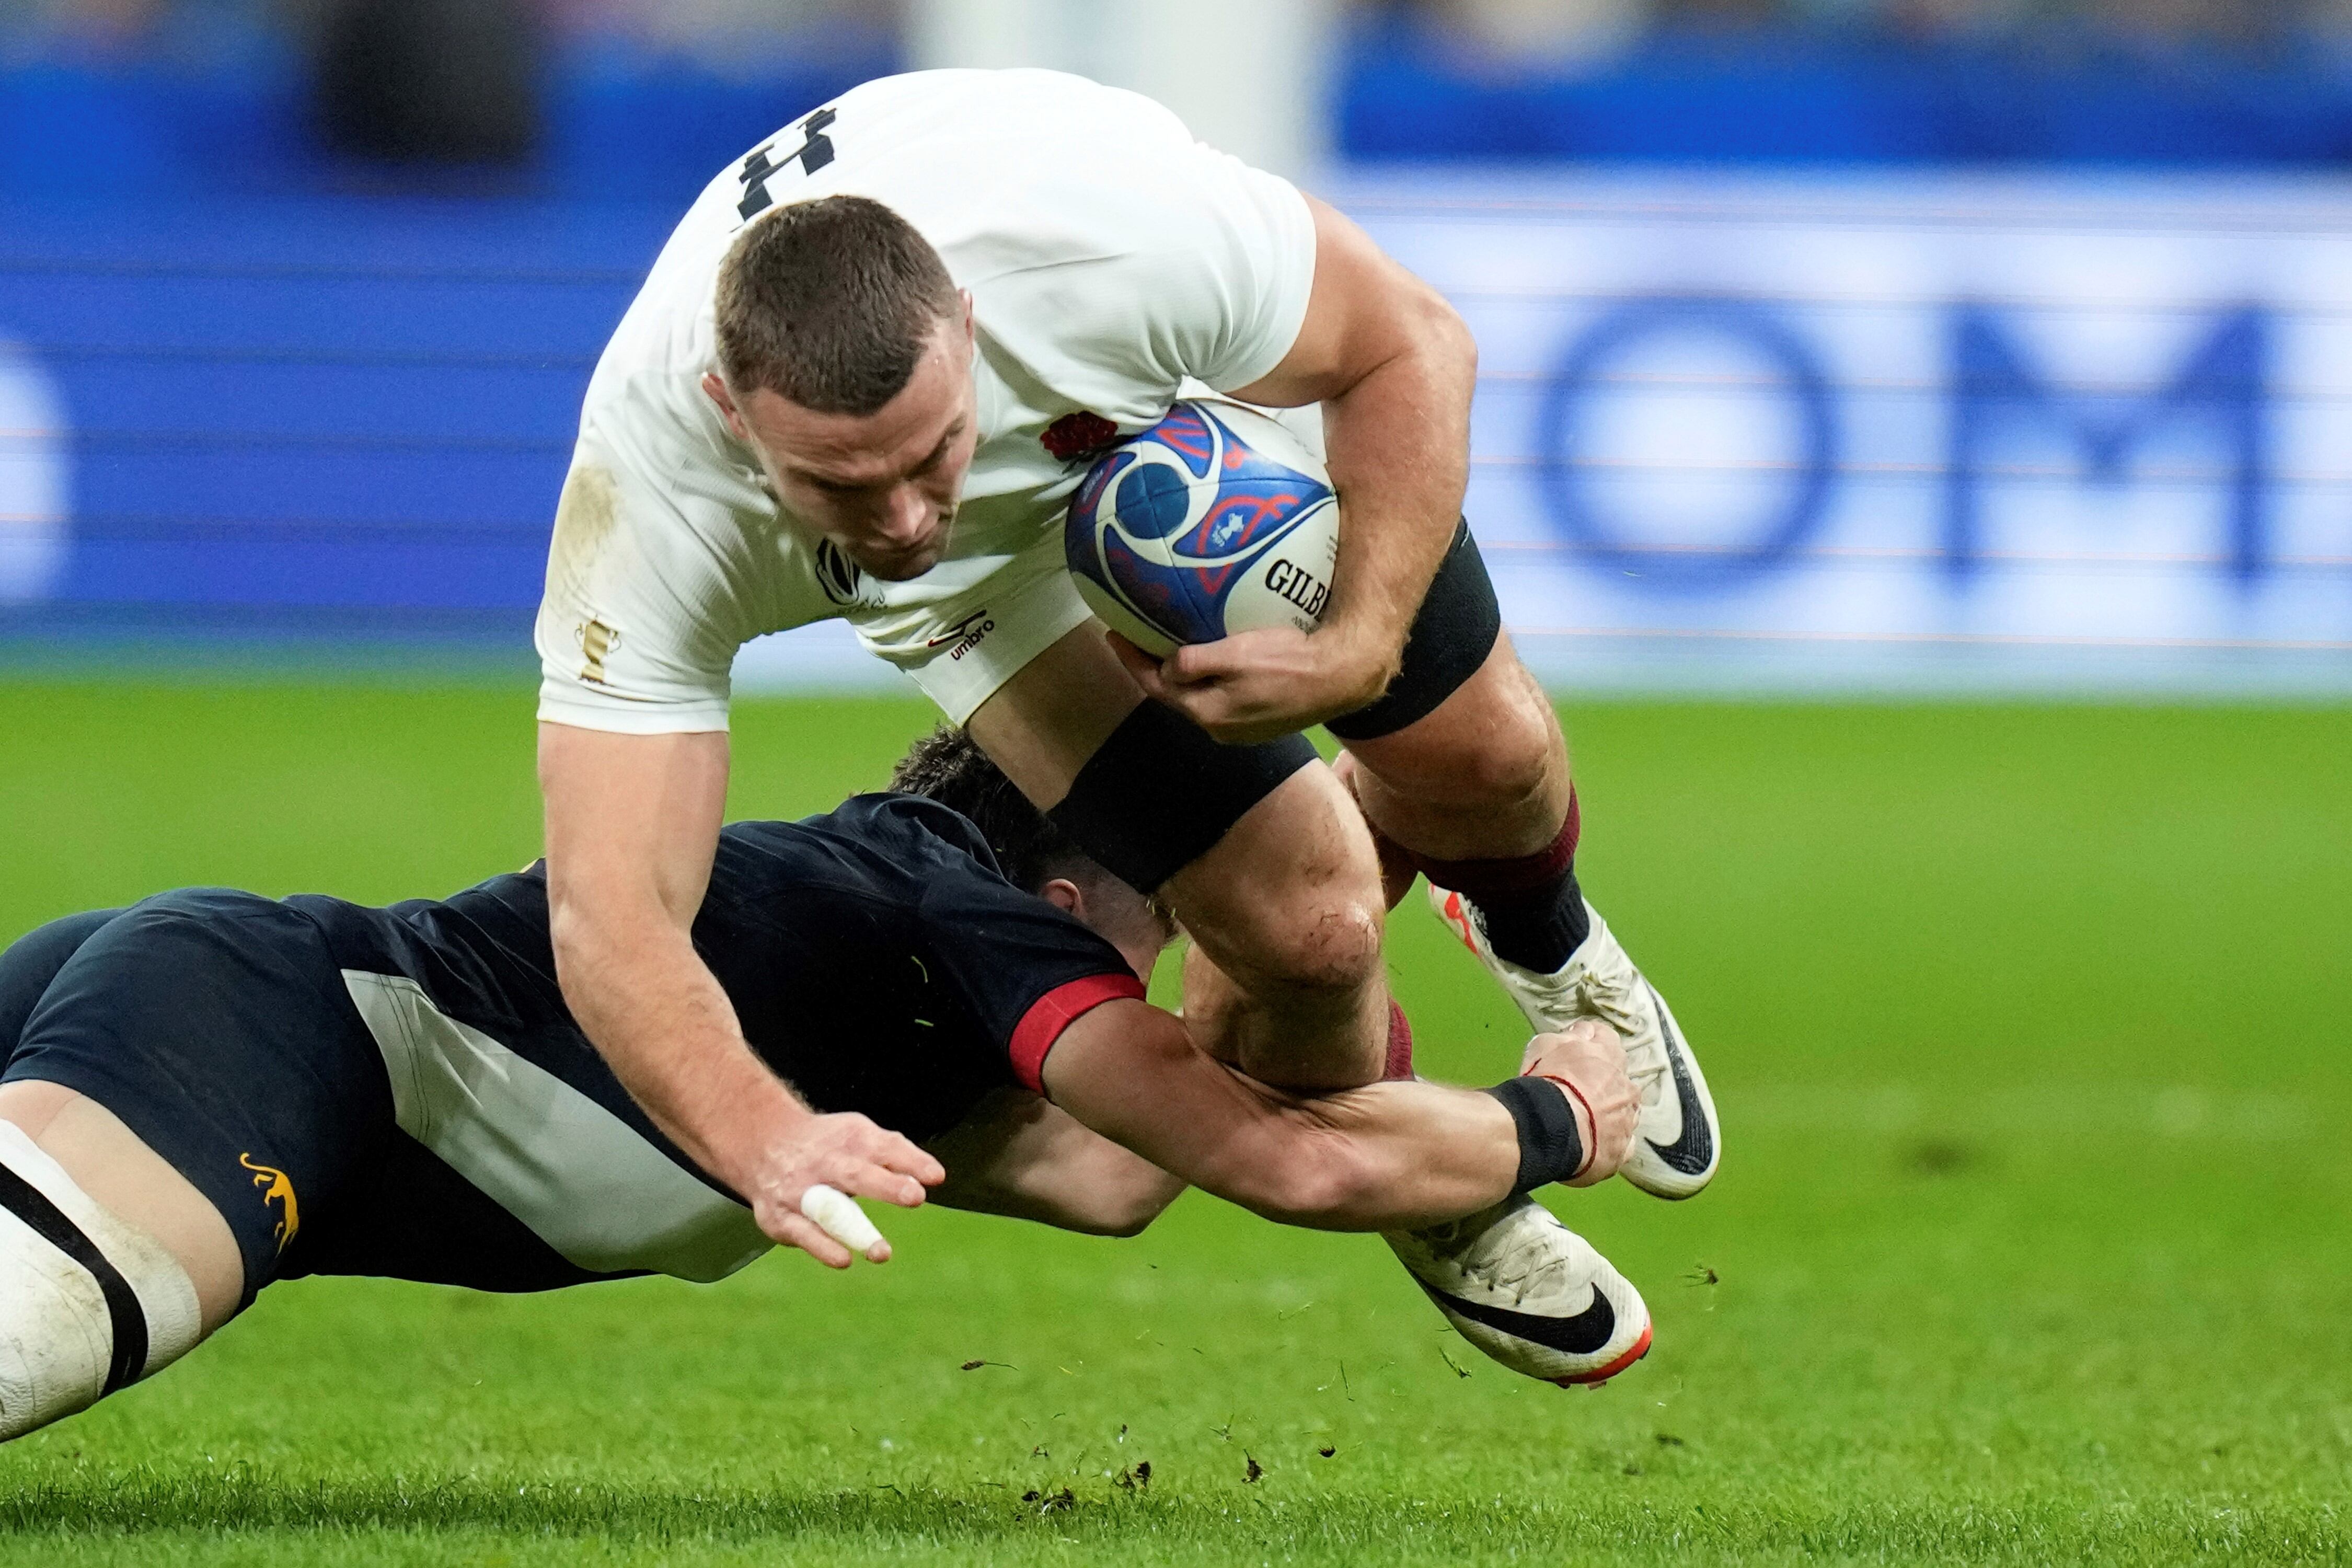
x=1364, y=310
x=632, y=820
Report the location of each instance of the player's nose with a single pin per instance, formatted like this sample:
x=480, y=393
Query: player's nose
x=909, y=519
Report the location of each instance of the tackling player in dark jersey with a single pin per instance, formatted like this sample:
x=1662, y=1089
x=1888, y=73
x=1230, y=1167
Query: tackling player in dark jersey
x=211, y=1091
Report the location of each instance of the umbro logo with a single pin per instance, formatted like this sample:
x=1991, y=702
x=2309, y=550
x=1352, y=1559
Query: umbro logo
x=964, y=634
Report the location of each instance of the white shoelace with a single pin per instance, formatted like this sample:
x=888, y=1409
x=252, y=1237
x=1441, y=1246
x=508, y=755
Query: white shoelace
x=1538, y=1264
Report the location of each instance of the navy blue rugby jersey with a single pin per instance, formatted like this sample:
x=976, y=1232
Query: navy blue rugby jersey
x=877, y=958
x=878, y=961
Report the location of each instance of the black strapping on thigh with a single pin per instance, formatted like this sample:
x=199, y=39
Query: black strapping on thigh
x=1453, y=633
x=28, y=1203
x=1159, y=794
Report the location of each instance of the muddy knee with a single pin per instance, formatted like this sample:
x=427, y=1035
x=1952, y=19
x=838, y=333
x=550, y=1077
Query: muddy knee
x=1328, y=942
x=1291, y=895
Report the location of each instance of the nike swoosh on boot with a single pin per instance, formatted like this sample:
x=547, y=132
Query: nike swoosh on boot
x=1691, y=1152
x=1582, y=1334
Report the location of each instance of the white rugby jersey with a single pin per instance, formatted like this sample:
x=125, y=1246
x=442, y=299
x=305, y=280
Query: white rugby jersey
x=1111, y=259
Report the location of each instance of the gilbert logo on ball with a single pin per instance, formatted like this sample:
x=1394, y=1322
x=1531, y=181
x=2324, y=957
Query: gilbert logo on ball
x=1215, y=520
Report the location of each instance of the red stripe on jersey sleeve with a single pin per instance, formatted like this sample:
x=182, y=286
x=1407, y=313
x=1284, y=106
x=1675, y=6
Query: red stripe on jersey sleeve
x=1055, y=1011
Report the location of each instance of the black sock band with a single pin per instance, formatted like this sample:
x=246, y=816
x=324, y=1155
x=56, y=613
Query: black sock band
x=1538, y=932
x=49, y=1222
x=1528, y=905
x=1550, y=1148
x=1453, y=634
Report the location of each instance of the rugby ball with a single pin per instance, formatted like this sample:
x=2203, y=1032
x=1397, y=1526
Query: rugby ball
x=1215, y=520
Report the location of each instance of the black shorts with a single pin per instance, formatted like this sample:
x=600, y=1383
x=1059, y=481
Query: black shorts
x=217, y=1026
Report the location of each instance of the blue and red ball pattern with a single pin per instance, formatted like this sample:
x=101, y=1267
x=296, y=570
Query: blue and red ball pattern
x=1170, y=521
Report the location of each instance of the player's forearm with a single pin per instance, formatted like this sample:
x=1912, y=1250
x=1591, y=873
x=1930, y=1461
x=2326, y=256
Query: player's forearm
x=661, y=1021
x=1388, y=1156
x=1385, y=1157
x=632, y=825
x=1398, y=445
x=1015, y=1154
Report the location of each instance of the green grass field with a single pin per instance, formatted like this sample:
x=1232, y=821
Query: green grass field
x=2031, y=1031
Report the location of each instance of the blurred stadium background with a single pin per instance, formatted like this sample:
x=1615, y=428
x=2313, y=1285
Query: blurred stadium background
x=1996, y=344
x=1907, y=359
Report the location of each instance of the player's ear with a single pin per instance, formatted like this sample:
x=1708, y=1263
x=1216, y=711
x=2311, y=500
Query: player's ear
x=716, y=390
x=1065, y=895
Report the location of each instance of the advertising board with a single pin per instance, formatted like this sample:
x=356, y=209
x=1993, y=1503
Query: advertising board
x=1735, y=431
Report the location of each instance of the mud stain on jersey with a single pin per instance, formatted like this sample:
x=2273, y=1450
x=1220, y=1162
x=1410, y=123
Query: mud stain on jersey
x=584, y=518
x=583, y=526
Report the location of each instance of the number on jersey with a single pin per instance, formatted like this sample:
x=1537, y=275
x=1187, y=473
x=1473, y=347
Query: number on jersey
x=815, y=152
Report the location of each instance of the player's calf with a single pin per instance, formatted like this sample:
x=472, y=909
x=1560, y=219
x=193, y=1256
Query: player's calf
x=1485, y=775
x=1470, y=786
x=88, y=1304
x=1474, y=794
x=1525, y=918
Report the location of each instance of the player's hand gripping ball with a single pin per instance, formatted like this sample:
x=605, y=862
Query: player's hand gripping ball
x=1216, y=519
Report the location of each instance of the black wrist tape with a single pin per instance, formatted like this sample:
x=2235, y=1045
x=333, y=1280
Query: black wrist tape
x=1551, y=1148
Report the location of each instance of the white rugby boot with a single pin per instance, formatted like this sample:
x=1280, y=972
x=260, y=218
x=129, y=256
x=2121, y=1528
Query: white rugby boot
x=1529, y=1292
x=1676, y=1144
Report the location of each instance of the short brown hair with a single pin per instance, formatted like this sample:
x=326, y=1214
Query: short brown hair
x=829, y=303
x=947, y=766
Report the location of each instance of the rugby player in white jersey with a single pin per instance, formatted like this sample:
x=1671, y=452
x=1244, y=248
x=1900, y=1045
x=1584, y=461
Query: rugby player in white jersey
x=861, y=382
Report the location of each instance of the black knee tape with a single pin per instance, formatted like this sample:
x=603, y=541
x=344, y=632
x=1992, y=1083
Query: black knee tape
x=1160, y=793
x=1550, y=1148
x=129, y=1319
x=1452, y=632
